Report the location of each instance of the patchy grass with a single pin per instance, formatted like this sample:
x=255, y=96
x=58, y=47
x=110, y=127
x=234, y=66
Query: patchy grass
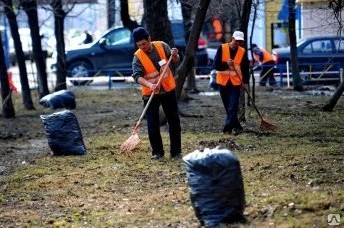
x=293, y=177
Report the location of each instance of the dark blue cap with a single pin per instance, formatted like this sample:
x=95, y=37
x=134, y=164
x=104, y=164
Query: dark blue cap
x=140, y=33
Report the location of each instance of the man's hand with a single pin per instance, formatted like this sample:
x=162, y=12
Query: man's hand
x=230, y=63
x=245, y=86
x=175, y=55
x=174, y=51
x=154, y=87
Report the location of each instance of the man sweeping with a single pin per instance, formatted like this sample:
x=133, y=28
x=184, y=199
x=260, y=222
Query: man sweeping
x=146, y=72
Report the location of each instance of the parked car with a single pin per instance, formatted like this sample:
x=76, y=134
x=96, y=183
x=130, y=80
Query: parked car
x=113, y=53
x=320, y=59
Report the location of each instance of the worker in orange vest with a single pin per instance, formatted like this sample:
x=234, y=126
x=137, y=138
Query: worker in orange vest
x=232, y=66
x=146, y=72
x=217, y=26
x=266, y=60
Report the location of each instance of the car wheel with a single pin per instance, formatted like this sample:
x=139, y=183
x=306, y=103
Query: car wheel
x=79, y=70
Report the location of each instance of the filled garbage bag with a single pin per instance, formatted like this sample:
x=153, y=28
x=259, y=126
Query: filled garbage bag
x=216, y=186
x=59, y=99
x=63, y=132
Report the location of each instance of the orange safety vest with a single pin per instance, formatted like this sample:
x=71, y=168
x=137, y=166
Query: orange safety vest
x=266, y=56
x=152, y=74
x=222, y=77
x=217, y=28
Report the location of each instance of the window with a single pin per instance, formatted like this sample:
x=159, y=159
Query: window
x=318, y=46
x=339, y=45
x=118, y=36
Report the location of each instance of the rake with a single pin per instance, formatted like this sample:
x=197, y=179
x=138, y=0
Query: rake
x=134, y=140
x=264, y=124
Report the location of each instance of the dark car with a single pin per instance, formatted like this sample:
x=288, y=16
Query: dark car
x=320, y=59
x=113, y=53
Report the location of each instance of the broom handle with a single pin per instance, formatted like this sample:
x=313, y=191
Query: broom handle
x=152, y=94
x=248, y=94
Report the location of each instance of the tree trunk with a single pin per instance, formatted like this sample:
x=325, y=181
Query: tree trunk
x=25, y=88
x=30, y=7
x=245, y=18
x=157, y=22
x=111, y=6
x=61, y=71
x=253, y=61
x=189, y=60
x=297, y=82
x=187, y=22
x=334, y=99
x=7, y=105
x=126, y=18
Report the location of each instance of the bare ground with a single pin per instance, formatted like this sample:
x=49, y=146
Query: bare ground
x=293, y=177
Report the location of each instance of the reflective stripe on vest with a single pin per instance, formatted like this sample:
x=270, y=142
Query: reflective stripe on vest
x=222, y=77
x=151, y=73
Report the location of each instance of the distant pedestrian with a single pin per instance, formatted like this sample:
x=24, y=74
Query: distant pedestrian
x=267, y=63
x=232, y=66
x=88, y=37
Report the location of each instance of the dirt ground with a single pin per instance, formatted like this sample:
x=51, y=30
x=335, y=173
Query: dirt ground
x=38, y=189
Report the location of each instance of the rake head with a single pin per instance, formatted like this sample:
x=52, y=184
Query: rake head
x=131, y=143
x=266, y=126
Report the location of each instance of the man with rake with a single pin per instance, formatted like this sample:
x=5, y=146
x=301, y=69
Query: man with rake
x=232, y=68
x=146, y=72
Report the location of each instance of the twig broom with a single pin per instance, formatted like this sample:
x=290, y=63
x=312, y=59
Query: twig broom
x=134, y=140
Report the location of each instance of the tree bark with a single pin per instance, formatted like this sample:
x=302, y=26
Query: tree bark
x=7, y=105
x=111, y=6
x=30, y=7
x=297, y=81
x=25, y=88
x=157, y=22
x=189, y=60
x=125, y=17
x=245, y=18
x=187, y=22
x=334, y=99
x=61, y=70
x=255, y=5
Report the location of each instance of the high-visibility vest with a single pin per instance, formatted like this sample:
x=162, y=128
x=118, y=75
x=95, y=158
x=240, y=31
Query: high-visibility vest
x=266, y=56
x=152, y=74
x=222, y=77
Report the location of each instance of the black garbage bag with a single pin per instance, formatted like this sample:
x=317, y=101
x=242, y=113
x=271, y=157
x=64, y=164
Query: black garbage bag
x=59, y=99
x=63, y=132
x=216, y=186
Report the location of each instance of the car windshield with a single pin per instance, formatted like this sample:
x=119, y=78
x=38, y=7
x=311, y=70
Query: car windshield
x=301, y=41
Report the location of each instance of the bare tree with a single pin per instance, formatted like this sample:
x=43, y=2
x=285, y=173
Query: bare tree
x=127, y=22
x=255, y=5
x=189, y=60
x=337, y=7
x=25, y=88
x=157, y=22
x=297, y=81
x=30, y=7
x=61, y=70
x=187, y=22
x=111, y=8
x=7, y=105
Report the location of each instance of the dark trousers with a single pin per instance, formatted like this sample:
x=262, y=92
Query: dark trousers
x=230, y=98
x=267, y=74
x=168, y=101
